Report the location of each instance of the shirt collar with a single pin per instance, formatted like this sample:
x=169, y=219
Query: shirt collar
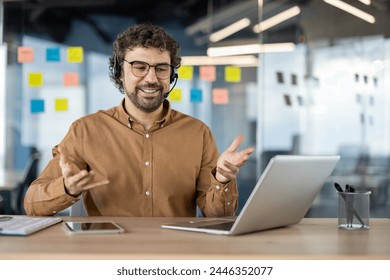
x=127, y=119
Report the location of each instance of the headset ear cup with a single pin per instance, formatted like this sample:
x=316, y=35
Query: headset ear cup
x=173, y=77
x=117, y=68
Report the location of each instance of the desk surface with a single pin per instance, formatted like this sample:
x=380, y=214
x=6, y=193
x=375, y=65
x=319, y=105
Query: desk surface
x=144, y=239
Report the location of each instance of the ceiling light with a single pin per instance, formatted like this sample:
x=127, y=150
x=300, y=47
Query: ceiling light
x=238, y=9
x=229, y=30
x=352, y=10
x=279, y=18
x=367, y=2
x=246, y=60
x=250, y=49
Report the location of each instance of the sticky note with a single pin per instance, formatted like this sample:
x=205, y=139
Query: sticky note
x=75, y=54
x=61, y=104
x=208, y=73
x=71, y=79
x=196, y=95
x=37, y=106
x=175, y=95
x=220, y=96
x=35, y=79
x=232, y=74
x=186, y=72
x=25, y=54
x=53, y=54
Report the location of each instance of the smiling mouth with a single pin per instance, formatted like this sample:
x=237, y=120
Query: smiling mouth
x=154, y=90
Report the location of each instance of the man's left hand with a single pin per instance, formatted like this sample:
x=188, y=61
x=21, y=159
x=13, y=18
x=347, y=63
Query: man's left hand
x=230, y=161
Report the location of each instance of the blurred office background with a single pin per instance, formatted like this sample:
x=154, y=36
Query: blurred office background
x=300, y=77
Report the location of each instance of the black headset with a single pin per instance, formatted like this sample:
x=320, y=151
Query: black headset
x=117, y=70
x=116, y=67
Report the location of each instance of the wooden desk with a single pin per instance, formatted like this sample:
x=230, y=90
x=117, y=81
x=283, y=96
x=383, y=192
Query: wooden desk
x=144, y=239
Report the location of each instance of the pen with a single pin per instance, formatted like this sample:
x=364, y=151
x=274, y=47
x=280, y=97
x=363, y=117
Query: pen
x=349, y=205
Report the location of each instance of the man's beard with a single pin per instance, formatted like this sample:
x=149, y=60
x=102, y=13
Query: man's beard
x=147, y=105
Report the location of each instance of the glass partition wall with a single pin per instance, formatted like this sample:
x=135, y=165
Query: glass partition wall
x=331, y=94
x=295, y=77
x=327, y=94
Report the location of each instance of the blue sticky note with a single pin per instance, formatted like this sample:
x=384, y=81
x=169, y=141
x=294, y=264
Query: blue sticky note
x=53, y=54
x=196, y=95
x=37, y=105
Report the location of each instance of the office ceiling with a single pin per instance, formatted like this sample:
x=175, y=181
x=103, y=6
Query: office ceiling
x=55, y=17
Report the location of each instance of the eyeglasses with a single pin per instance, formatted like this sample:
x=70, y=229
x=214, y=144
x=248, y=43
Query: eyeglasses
x=141, y=69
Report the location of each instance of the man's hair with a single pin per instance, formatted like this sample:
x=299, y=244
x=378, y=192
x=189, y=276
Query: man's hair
x=144, y=35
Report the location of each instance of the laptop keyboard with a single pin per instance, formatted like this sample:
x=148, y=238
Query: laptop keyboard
x=25, y=225
x=221, y=226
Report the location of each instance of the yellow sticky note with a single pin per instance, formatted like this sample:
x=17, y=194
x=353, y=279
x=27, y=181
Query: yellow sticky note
x=25, y=54
x=186, y=72
x=75, y=54
x=61, y=104
x=220, y=96
x=175, y=95
x=35, y=79
x=71, y=79
x=232, y=74
x=208, y=73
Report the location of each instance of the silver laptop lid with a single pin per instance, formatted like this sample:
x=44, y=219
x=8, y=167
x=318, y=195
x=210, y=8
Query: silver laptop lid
x=284, y=192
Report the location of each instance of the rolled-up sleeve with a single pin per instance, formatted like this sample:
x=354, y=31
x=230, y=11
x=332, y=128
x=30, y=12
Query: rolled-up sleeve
x=214, y=199
x=46, y=195
x=221, y=199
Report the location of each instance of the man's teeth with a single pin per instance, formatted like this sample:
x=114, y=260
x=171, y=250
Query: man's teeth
x=149, y=90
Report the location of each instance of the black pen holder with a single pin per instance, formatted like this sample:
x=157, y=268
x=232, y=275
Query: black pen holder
x=354, y=210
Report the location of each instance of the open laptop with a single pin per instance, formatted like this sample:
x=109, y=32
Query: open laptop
x=282, y=196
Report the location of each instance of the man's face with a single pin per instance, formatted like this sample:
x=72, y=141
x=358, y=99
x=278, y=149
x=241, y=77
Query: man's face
x=146, y=93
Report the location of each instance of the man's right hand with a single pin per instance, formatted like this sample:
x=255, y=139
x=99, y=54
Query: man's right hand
x=75, y=180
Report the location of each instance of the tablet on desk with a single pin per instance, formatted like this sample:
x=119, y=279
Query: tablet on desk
x=92, y=227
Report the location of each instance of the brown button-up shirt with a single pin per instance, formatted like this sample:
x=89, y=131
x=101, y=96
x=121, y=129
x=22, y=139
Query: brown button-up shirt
x=166, y=171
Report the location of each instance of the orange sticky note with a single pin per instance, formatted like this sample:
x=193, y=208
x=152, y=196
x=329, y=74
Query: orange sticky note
x=220, y=96
x=61, y=104
x=208, y=73
x=175, y=95
x=75, y=54
x=186, y=72
x=35, y=79
x=71, y=79
x=232, y=74
x=25, y=54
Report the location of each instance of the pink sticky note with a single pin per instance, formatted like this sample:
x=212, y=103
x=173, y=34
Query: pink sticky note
x=208, y=73
x=220, y=96
x=25, y=54
x=71, y=79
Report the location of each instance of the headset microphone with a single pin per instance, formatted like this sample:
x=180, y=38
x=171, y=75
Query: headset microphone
x=172, y=80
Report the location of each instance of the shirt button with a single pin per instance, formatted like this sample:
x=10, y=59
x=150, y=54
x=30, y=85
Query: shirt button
x=147, y=135
x=226, y=190
x=228, y=203
x=217, y=187
x=147, y=193
x=147, y=163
